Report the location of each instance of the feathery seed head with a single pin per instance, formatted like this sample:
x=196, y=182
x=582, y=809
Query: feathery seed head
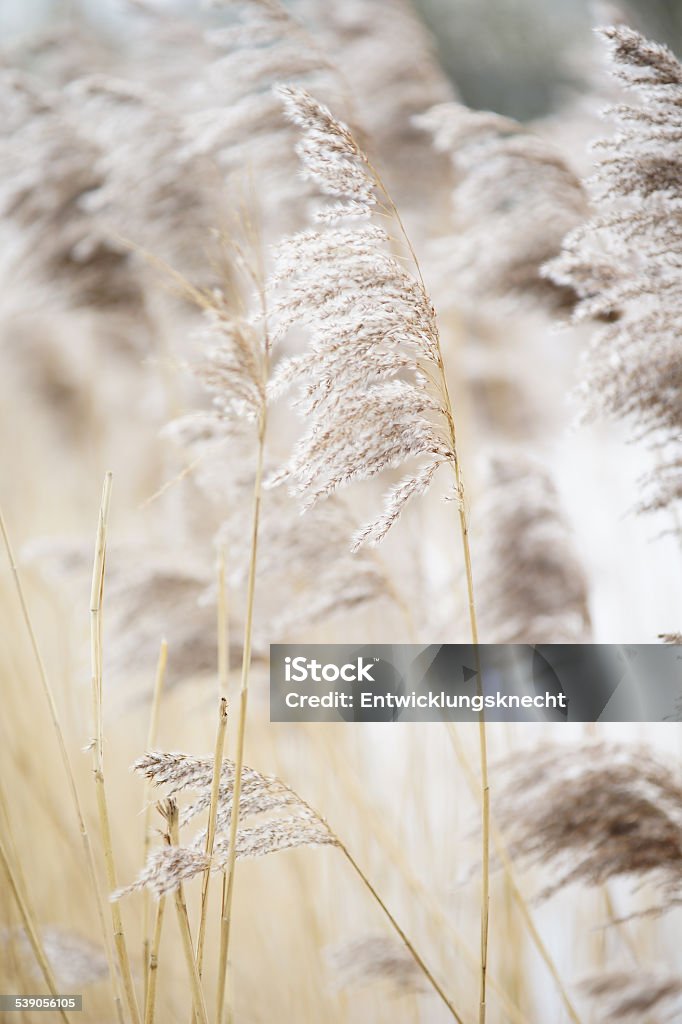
x=260, y=795
x=372, y=385
x=627, y=259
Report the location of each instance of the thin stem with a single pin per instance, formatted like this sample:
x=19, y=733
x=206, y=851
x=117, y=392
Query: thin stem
x=223, y=685
x=505, y=860
x=211, y=828
x=98, y=749
x=223, y=627
x=228, y=887
x=32, y=934
x=153, y=964
x=169, y=810
x=66, y=762
x=399, y=931
x=146, y=841
x=485, y=846
x=186, y=933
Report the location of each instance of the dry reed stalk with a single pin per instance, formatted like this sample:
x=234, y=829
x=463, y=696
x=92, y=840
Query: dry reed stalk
x=519, y=898
x=223, y=627
x=153, y=968
x=169, y=810
x=211, y=829
x=228, y=888
x=239, y=372
x=98, y=748
x=153, y=963
x=151, y=742
x=27, y=918
x=223, y=671
x=66, y=762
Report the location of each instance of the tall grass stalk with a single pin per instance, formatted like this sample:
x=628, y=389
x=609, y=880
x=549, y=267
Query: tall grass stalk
x=228, y=886
x=146, y=841
x=223, y=627
x=519, y=899
x=153, y=959
x=223, y=675
x=198, y=1001
x=211, y=828
x=153, y=963
x=66, y=762
x=96, y=596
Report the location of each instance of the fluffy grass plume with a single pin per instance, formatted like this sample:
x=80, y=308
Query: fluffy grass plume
x=373, y=385
x=626, y=262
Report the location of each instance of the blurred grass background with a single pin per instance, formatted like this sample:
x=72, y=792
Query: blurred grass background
x=517, y=57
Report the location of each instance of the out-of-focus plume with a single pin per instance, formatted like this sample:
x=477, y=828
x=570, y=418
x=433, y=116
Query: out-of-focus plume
x=75, y=961
x=628, y=258
x=594, y=813
x=48, y=168
x=387, y=56
x=375, y=958
x=151, y=192
x=531, y=584
x=515, y=198
x=231, y=113
x=151, y=593
x=624, y=996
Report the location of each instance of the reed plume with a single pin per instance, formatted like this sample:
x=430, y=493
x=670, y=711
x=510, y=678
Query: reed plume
x=233, y=115
x=151, y=191
x=48, y=169
x=623, y=996
x=514, y=199
x=151, y=592
x=373, y=385
x=168, y=866
x=531, y=580
x=75, y=960
x=375, y=958
x=371, y=42
x=625, y=262
x=604, y=812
